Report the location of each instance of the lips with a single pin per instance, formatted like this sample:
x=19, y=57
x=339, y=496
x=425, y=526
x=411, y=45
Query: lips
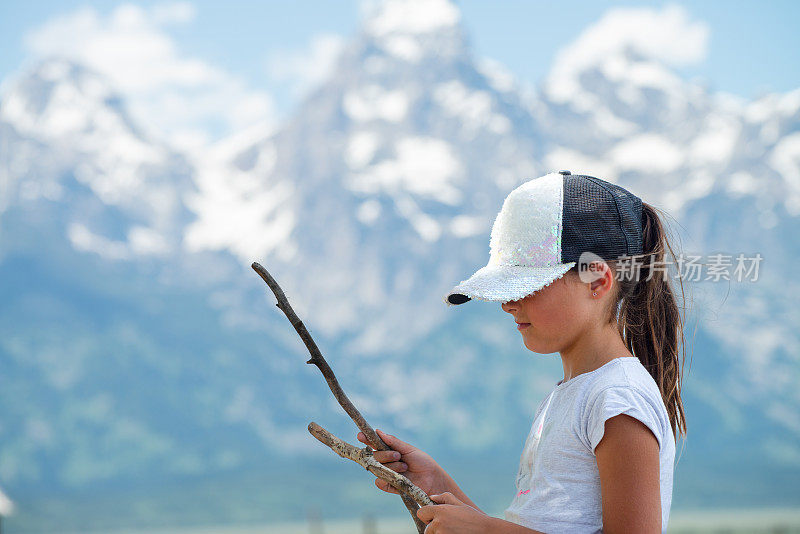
x=522, y=326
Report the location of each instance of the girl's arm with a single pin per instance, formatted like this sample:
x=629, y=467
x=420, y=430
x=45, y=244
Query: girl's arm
x=627, y=458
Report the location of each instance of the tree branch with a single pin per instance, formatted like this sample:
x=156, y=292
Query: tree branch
x=317, y=359
x=364, y=458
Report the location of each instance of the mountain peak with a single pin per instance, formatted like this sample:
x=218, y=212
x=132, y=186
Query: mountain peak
x=637, y=47
x=412, y=17
x=627, y=68
x=60, y=98
x=412, y=30
x=123, y=192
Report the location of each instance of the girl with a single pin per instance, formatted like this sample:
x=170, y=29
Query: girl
x=579, y=264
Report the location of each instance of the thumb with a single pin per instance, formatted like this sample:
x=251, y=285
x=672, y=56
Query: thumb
x=396, y=444
x=446, y=498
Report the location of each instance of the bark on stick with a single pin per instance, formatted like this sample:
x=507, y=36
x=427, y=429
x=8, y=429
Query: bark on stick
x=317, y=359
x=364, y=458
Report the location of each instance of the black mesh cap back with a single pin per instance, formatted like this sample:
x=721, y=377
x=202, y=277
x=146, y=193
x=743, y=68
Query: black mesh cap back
x=599, y=217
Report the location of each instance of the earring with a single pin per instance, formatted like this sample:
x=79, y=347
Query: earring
x=594, y=294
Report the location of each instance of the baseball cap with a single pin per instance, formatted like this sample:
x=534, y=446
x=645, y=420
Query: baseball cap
x=544, y=227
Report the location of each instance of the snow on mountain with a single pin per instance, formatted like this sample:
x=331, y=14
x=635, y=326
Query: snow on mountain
x=633, y=121
x=711, y=145
x=410, y=29
x=87, y=142
x=666, y=36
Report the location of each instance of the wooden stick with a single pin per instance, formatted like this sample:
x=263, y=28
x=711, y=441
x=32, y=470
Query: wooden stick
x=364, y=458
x=317, y=359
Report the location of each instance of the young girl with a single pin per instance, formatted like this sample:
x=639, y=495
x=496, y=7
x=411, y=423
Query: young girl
x=578, y=263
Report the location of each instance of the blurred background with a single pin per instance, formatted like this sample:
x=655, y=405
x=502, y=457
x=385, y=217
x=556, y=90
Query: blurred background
x=150, y=151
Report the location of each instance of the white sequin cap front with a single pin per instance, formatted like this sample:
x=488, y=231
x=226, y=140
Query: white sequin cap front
x=525, y=246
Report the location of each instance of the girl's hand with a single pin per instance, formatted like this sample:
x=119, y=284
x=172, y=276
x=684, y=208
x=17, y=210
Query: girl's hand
x=411, y=462
x=451, y=516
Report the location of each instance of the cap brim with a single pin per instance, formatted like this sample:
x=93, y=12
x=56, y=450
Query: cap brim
x=505, y=283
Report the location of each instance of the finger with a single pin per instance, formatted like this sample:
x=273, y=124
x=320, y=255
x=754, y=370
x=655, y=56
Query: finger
x=360, y=437
x=385, y=486
x=386, y=456
x=395, y=443
x=397, y=467
x=446, y=498
x=426, y=513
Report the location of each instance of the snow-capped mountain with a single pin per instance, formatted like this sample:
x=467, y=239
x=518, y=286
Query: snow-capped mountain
x=146, y=349
x=383, y=184
x=76, y=147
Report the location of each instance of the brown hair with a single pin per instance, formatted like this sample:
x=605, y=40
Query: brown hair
x=649, y=318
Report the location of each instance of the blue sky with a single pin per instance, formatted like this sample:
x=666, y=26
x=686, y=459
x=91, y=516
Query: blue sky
x=752, y=47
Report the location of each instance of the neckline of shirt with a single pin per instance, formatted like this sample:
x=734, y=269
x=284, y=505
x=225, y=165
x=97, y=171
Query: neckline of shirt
x=560, y=384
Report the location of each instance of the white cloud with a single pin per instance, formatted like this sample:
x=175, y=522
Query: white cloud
x=304, y=69
x=182, y=98
x=666, y=35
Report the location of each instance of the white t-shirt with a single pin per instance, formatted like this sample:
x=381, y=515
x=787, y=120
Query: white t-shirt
x=558, y=485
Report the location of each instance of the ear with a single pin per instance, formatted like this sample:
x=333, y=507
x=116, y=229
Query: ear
x=603, y=280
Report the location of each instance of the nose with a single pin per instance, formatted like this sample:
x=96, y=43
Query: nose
x=510, y=306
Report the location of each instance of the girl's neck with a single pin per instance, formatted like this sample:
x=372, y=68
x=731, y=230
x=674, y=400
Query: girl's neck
x=593, y=349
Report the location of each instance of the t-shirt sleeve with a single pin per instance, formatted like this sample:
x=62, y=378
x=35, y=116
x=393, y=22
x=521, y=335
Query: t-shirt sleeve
x=616, y=400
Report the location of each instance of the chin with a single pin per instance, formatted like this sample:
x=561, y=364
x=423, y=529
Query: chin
x=538, y=347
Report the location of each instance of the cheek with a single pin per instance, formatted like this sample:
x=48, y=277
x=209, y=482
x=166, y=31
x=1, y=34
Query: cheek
x=545, y=317
x=554, y=314
x=550, y=327
x=550, y=317
x=556, y=317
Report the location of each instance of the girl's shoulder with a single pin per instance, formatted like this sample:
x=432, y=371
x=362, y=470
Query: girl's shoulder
x=624, y=372
x=622, y=387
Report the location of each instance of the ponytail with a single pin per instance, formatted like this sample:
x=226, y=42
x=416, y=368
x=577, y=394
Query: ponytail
x=649, y=317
